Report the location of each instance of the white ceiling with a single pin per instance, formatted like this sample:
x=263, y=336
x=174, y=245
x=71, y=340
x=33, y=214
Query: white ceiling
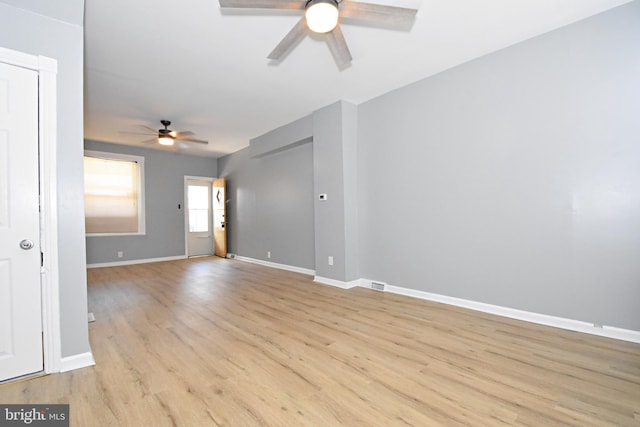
x=206, y=70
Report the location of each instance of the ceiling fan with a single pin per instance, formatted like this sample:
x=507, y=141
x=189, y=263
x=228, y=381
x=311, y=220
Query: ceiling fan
x=166, y=136
x=322, y=16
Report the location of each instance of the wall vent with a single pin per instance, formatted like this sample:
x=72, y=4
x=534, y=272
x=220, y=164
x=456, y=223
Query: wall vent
x=377, y=286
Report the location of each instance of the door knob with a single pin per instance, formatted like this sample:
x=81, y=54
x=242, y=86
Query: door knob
x=26, y=244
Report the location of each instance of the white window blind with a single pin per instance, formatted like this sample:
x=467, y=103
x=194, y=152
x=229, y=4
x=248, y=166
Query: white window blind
x=112, y=188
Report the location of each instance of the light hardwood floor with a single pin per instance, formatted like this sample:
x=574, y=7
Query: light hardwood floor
x=212, y=342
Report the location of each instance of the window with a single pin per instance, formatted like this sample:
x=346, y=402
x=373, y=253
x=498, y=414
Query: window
x=113, y=193
x=198, y=198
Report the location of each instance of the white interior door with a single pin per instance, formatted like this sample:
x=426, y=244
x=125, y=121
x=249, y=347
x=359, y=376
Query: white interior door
x=199, y=218
x=20, y=300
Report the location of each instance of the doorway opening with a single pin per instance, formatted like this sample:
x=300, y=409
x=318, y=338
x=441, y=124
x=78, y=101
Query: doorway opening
x=199, y=217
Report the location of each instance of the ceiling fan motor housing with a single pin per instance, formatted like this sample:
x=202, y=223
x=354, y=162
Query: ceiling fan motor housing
x=312, y=2
x=166, y=132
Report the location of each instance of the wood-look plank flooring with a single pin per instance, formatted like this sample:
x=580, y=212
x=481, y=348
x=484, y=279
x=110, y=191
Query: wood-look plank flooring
x=215, y=342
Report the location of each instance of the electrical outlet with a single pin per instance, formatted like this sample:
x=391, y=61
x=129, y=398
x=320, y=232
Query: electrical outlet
x=330, y=260
x=268, y=254
x=120, y=254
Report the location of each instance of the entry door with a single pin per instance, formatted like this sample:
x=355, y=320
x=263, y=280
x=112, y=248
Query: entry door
x=200, y=219
x=20, y=303
x=220, y=216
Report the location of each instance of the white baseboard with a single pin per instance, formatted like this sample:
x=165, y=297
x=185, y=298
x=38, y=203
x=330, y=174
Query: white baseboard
x=77, y=361
x=135, y=261
x=275, y=265
x=337, y=283
x=541, y=319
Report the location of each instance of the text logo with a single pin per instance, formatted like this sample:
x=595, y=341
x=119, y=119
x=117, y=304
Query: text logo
x=34, y=415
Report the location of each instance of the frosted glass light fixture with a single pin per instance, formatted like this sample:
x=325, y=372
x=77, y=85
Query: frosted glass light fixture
x=321, y=15
x=165, y=140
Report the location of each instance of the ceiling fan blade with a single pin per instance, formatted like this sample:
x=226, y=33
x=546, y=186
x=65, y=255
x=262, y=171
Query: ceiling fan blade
x=199, y=141
x=264, y=4
x=147, y=141
x=149, y=129
x=376, y=12
x=289, y=41
x=182, y=133
x=338, y=47
x=137, y=133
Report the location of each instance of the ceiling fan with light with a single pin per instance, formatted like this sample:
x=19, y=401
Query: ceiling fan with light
x=166, y=136
x=322, y=17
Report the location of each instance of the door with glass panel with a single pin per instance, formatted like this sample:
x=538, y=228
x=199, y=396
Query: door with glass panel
x=199, y=218
x=219, y=217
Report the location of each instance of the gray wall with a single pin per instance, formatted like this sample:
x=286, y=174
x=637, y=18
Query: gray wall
x=273, y=194
x=37, y=34
x=270, y=204
x=350, y=189
x=335, y=174
x=164, y=190
x=283, y=137
x=514, y=179
x=69, y=11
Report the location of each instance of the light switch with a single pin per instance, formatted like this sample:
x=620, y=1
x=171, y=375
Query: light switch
x=323, y=196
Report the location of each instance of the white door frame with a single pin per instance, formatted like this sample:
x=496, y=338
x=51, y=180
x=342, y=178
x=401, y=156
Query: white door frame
x=47, y=70
x=185, y=206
